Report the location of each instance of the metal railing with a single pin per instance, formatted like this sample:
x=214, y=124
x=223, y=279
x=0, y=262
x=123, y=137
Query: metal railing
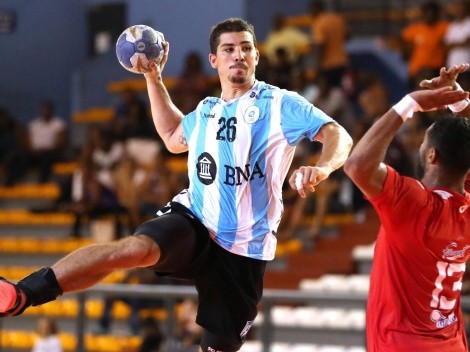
x=171, y=294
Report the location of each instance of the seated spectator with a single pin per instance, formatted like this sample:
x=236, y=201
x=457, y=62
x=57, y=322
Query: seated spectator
x=132, y=118
x=282, y=70
x=293, y=40
x=189, y=333
x=334, y=102
x=305, y=216
x=192, y=85
x=12, y=135
x=93, y=186
x=457, y=38
x=302, y=84
x=142, y=188
x=141, y=276
x=152, y=337
x=46, y=143
x=47, y=336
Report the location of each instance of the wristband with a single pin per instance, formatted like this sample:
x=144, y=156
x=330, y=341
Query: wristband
x=406, y=107
x=460, y=105
x=299, y=180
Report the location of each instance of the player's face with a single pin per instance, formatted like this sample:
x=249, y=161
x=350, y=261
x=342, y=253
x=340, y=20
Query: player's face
x=236, y=57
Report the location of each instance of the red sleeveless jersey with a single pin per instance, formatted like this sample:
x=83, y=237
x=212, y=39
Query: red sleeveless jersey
x=419, y=263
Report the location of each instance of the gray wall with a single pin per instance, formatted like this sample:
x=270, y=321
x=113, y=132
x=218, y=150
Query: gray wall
x=37, y=60
x=46, y=56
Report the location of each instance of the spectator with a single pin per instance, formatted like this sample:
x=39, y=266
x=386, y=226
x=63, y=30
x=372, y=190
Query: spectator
x=46, y=143
x=305, y=216
x=47, y=336
x=329, y=34
x=290, y=38
x=152, y=337
x=423, y=44
x=188, y=331
x=142, y=188
x=193, y=84
x=93, y=186
x=302, y=84
x=282, y=70
x=334, y=102
x=12, y=135
x=134, y=276
x=132, y=118
x=457, y=38
x=373, y=102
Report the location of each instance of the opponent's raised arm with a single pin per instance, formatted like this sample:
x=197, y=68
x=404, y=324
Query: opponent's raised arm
x=365, y=164
x=337, y=144
x=166, y=116
x=448, y=77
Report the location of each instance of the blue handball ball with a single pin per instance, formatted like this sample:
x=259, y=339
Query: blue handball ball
x=137, y=46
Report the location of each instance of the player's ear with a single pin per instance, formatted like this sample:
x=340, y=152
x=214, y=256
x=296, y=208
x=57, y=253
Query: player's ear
x=212, y=60
x=432, y=156
x=257, y=57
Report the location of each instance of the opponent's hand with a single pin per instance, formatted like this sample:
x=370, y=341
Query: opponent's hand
x=438, y=98
x=156, y=68
x=447, y=77
x=307, y=177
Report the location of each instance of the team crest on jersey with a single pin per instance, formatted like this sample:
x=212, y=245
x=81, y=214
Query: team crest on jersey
x=206, y=168
x=441, y=320
x=251, y=114
x=451, y=252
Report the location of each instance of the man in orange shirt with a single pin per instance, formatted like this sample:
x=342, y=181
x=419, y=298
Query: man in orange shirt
x=329, y=35
x=423, y=44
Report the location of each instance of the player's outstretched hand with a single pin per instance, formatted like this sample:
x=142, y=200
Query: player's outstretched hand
x=438, y=98
x=156, y=68
x=307, y=177
x=447, y=77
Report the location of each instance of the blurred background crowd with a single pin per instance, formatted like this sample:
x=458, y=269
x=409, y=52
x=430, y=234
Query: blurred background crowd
x=124, y=169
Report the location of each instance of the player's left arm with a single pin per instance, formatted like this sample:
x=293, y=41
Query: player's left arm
x=337, y=144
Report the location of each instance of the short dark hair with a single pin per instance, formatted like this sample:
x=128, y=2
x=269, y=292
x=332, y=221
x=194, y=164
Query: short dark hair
x=450, y=136
x=432, y=6
x=228, y=26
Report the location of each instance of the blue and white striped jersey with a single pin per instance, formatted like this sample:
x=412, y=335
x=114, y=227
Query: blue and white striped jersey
x=239, y=154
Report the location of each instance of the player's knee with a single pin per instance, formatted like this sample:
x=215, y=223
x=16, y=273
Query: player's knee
x=213, y=343
x=141, y=250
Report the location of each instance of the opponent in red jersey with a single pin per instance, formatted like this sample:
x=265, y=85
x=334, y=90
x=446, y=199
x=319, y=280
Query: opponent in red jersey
x=424, y=240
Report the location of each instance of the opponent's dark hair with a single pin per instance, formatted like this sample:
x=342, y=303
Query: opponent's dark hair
x=450, y=136
x=227, y=26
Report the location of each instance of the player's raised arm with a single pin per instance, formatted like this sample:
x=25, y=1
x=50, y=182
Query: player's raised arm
x=448, y=77
x=365, y=164
x=166, y=116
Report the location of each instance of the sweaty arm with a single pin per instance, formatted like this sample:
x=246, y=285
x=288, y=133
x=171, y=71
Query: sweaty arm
x=166, y=116
x=365, y=165
x=337, y=144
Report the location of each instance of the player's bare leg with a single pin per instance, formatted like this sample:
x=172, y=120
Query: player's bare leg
x=77, y=271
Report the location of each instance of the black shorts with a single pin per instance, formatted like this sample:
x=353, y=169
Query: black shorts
x=229, y=286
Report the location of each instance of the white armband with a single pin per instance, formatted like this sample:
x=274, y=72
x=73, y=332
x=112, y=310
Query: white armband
x=406, y=107
x=460, y=105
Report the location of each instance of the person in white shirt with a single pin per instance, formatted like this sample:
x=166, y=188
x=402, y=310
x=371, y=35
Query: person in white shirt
x=47, y=339
x=47, y=140
x=457, y=38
